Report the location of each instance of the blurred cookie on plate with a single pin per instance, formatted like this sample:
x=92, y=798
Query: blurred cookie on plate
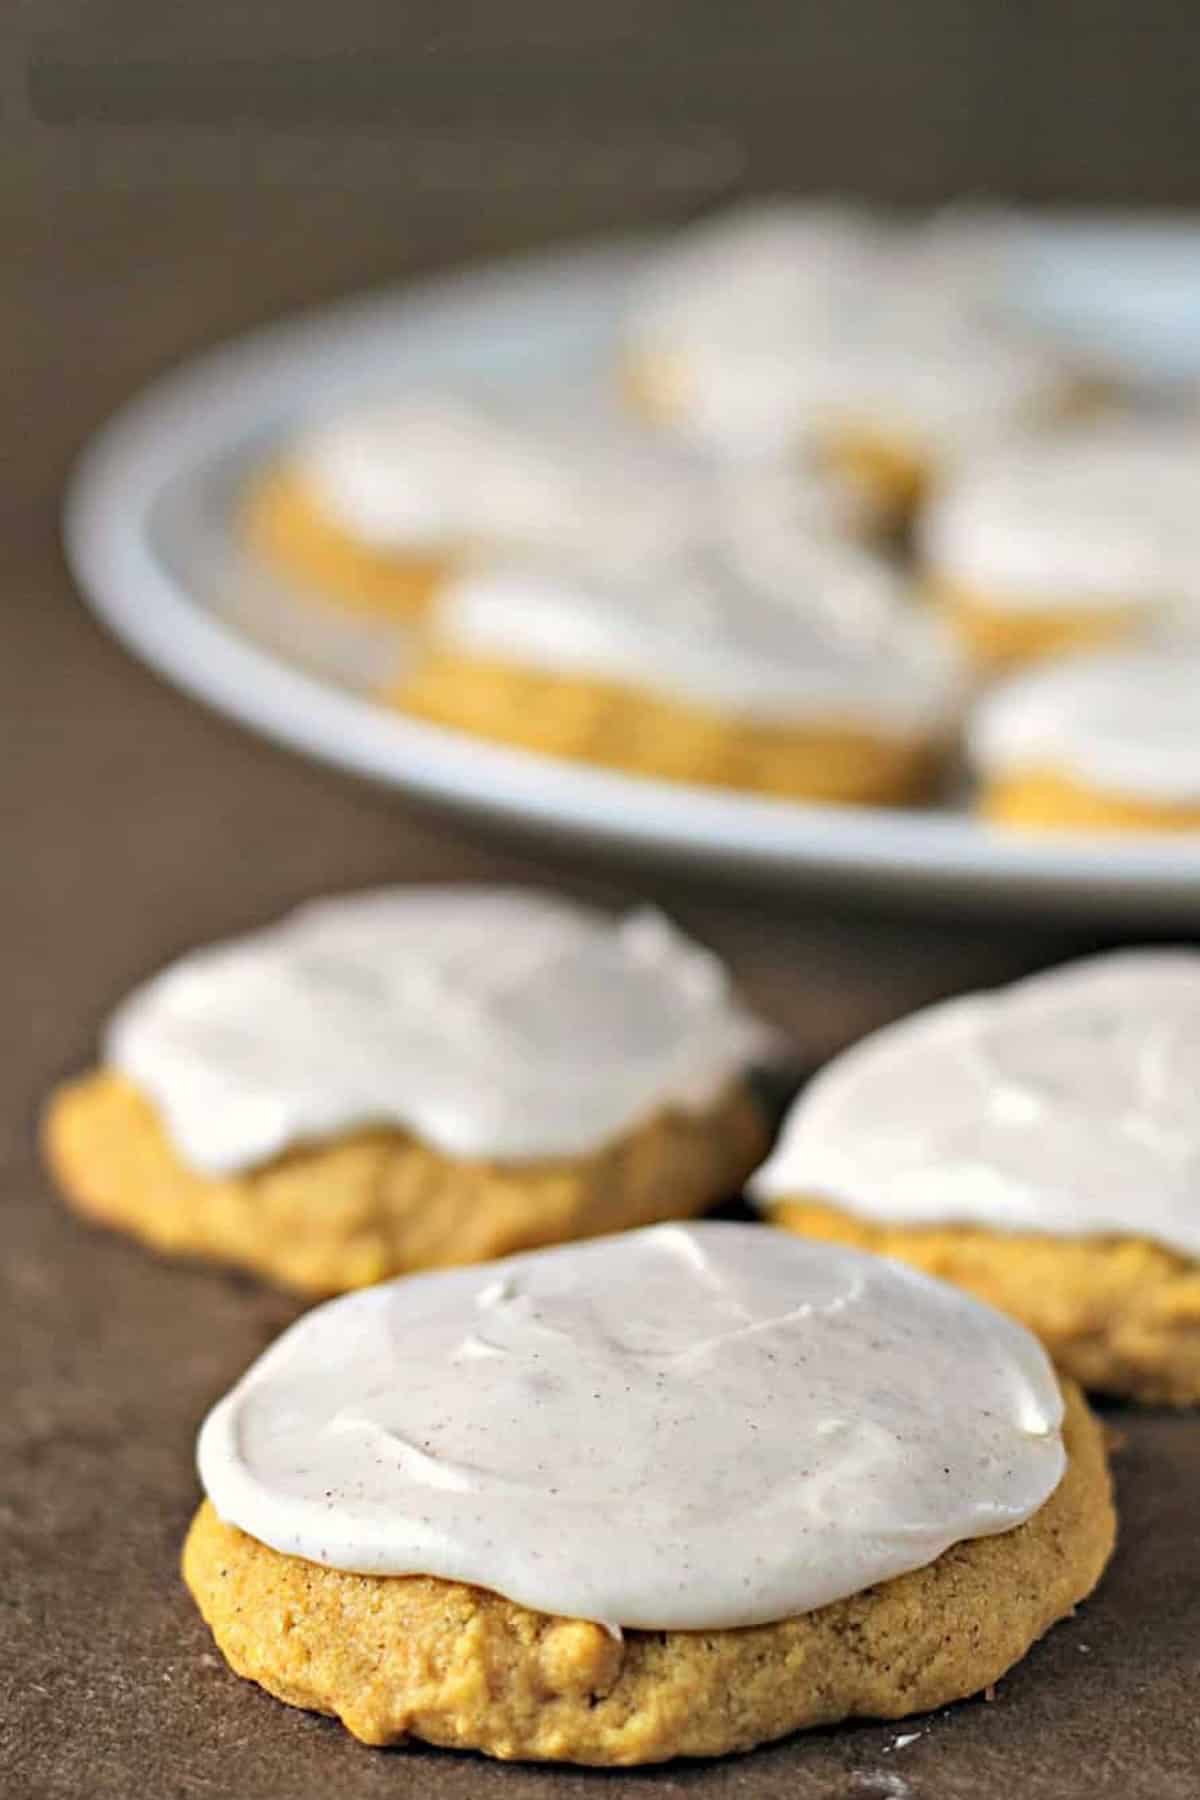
x=795, y=668
x=1069, y=540
x=880, y=347
x=1108, y=741
x=754, y=277
x=377, y=507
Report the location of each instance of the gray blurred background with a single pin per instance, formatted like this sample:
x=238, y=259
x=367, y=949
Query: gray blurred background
x=222, y=163
x=1062, y=101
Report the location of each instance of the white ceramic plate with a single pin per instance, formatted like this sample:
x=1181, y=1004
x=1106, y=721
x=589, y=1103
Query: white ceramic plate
x=147, y=528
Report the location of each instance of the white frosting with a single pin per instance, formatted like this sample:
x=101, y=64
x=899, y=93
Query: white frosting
x=490, y=1022
x=1064, y=1104
x=1108, y=516
x=691, y=1427
x=452, y=474
x=417, y=471
x=1123, y=722
x=784, y=323
x=755, y=271
x=964, y=257
x=950, y=389
x=943, y=389
x=768, y=630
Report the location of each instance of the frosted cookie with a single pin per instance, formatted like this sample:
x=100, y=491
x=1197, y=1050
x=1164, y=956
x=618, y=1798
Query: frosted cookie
x=668, y=1494
x=1040, y=1146
x=797, y=670
x=413, y=1078
x=1105, y=742
x=378, y=507
x=1069, y=540
x=749, y=280
x=784, y=325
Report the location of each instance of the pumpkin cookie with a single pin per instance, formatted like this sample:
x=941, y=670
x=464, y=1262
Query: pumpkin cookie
x=1106, y=742
x=1039, y=1147
x=670, y=1494
x=1069, y=541
x=410, y=1079
x=788, y=324
x=378, y=508
x=820, y=683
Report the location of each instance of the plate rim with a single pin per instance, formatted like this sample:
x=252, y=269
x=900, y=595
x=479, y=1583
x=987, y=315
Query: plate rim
x=217, y=397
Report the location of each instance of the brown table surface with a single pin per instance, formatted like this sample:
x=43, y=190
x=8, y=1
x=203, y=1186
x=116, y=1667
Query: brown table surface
x=138, y=824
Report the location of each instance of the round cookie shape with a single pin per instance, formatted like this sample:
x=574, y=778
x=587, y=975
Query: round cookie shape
x=755, y=271
x=457, y=474
x=491, y=1023
x=1089, y=520
x=934, y=388
x=423, y=470
x=399, y=1657
x=778, y=631
x=715, y=319
x=1062, y=1106
x=1124, y=724
x=378, y=506
x=687, y=1428
x=779, y=324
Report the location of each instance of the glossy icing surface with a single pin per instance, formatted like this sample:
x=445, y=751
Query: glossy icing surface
x=689, y=1427
x=491, y=1022
x=1063, y=1104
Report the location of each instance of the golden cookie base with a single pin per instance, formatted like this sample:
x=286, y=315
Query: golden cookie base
x=280, y=524
x=636, y=732
x=399, y=1657
x=1118, y=1315
x=374, y=1204
x=999, y=638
